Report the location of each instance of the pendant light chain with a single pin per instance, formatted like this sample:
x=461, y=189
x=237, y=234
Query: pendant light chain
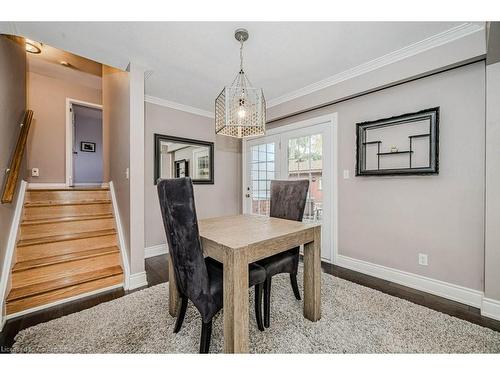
x=241, y=54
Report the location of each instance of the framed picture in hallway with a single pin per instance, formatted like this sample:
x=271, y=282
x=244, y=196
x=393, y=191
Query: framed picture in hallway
x=87, y=146
x=402, y=145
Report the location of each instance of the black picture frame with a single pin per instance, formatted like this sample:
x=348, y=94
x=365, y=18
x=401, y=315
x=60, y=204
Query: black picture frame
x=158, y=138
x=432, y=114
x=181, y=163
x=87, y=146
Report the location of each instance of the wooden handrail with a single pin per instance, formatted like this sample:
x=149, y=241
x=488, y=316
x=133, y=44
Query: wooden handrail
x=17, y=158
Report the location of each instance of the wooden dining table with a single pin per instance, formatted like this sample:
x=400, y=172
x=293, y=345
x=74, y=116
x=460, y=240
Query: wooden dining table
x=237, y=241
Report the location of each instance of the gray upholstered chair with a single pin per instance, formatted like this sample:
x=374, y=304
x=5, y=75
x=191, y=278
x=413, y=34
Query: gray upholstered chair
x=288, y=200
x=198, y=279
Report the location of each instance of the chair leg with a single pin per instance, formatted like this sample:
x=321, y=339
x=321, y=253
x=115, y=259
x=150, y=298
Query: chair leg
x=258, y=306
x=206, y=334
x=267, y=302
x=295, y=286
x=182, y=314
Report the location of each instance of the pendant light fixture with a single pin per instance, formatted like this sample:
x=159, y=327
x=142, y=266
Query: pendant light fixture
x=240, y=109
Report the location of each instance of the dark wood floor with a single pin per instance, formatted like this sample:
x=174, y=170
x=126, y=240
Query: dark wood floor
x=157, y=272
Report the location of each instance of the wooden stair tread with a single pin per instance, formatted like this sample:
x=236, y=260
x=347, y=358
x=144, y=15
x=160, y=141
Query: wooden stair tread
x=66, y=219
x=65, y=237
x=67, y=281
x=73, y=189
x=40, y=262
x=66, y=202
x=63, y=293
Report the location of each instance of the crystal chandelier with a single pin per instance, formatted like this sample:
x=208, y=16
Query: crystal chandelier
x=240, y=109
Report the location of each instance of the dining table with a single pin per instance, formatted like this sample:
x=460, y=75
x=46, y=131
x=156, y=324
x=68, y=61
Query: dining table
x=236, y=241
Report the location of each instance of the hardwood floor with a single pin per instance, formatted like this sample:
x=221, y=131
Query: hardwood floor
x=157, y=272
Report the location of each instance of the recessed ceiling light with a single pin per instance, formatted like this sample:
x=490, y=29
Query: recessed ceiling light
x=33, y=47
x=65, y=63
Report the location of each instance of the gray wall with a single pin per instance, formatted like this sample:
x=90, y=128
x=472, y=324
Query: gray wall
x=389, y=220
x=492, y=252
x=116, y=122
x=222, y=198
x=47, y=142
x=88, y=167
x=12, y=106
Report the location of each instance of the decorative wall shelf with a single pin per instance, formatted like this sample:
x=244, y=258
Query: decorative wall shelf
x=417, y=134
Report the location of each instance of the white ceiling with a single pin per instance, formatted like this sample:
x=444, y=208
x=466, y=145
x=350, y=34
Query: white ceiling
x=192, y=61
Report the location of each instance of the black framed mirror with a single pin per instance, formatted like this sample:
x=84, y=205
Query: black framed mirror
x=183, y=157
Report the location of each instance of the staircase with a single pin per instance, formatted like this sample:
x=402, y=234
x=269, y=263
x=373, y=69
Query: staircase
x=67, y=245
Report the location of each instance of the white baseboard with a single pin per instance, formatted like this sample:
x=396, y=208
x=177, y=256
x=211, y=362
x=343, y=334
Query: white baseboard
x=490, y=308
x=65, y=300
x=47, y=185
x=156, y=250
x=454, y=292
x=9, y=251
x=137, y=280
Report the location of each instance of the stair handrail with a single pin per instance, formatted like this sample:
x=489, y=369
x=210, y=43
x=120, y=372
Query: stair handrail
x=17, y=157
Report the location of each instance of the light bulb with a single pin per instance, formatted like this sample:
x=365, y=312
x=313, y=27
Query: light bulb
x=241, y=112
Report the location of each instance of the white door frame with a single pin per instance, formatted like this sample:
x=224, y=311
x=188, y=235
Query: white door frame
x=69, y=135
x=333, y=120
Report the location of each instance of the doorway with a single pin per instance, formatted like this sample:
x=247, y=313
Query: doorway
x=84, y=144
x=304, y=150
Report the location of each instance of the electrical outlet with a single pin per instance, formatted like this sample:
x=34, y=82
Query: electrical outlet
x=35, y=172
x=422, y=259
x=346, y=174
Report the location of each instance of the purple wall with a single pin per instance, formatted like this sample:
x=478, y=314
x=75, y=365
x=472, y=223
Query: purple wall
x=87, y=166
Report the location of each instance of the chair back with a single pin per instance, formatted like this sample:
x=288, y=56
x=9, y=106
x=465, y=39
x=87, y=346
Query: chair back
x=181, y=227
x=288, y=199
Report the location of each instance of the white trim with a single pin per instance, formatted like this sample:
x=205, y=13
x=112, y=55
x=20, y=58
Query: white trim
x=69, y=136
x=46, y=185
x=490, y=308
x=138, y=280
x=83, y=184
x=121, y=236
x=153, y=251
x=178, y=106
x=316, y=121
x=65, y=300
x=11, y=246
x=454, y=292
x=437, y=40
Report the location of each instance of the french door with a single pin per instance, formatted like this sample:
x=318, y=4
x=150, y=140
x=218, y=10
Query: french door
x=297, y=153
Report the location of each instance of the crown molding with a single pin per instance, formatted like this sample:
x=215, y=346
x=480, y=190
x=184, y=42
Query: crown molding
x=437, y=40
x=178, y=106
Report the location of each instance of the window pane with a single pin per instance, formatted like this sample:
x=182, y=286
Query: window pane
x=262, y=172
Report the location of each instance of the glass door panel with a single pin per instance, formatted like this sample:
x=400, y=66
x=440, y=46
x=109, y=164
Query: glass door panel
x=262, y=169
x=305, y=161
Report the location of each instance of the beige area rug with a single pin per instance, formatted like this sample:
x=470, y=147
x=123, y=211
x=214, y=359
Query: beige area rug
x=355, y=319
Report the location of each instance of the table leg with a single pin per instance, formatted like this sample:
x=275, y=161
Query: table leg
x=312, y=277
x=235, y=302
x=173, y=293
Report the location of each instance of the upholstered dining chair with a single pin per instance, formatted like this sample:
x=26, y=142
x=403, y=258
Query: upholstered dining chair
x=288, y=200
x=199, y=279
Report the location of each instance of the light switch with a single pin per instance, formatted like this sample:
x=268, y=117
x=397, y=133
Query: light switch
x=346, y=174
x=127, y=173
